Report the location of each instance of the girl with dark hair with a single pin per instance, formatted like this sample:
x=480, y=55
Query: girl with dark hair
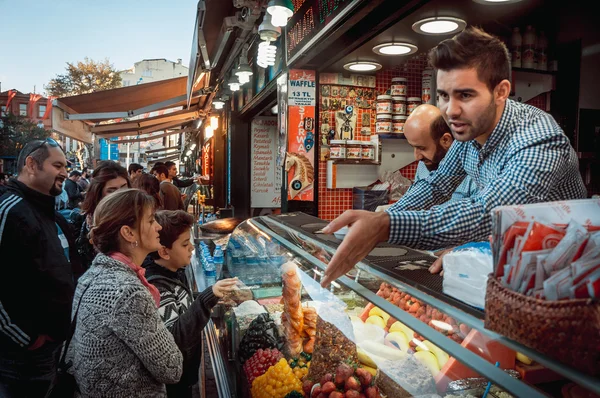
x=120, y=346
x=108, y=177
x=149, y=184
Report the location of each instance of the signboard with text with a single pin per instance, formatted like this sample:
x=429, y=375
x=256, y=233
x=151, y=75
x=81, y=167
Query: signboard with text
x=300, y=160
x=265, y=176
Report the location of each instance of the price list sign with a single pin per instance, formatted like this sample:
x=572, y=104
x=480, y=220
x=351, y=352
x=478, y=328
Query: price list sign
x=265, y=177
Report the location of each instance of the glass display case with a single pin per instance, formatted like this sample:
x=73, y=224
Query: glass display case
x=384, y=329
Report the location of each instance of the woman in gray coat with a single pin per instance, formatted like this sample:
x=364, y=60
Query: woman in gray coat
x=121, y=347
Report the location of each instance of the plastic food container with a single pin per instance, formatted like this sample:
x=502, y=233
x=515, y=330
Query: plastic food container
x=353, y=150
x=384, y=104
x=383, y=124
x=399, y=105
x=413, y=102
x=398, y=124
x=337, y=149
x=399, y=86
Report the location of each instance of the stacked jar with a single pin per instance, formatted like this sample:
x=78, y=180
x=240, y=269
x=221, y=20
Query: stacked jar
x=384, y=114
x=426, y=86
x=412, y=104
x=337, y=149
x=368, y=150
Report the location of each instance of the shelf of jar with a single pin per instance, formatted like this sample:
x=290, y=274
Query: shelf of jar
x=356, y=161
x=391, y=136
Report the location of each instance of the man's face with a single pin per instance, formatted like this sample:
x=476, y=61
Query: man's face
x=172, y=171
x=426, y=149
x=136, y=174
x=49, y=179
x=180, y=254
x=466, y=103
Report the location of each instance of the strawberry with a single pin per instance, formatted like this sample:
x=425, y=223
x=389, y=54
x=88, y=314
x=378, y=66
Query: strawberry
x=352, y=383
x=328, y=387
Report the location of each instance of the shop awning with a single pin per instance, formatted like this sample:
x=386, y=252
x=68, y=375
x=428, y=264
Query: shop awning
x=156, y=106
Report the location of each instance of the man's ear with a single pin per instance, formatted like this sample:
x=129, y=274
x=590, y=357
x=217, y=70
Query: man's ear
x=30, y=165
x=163, y=252
x=446, y=141
x=502, y=91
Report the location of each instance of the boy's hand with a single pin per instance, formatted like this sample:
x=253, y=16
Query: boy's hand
x=224, y=286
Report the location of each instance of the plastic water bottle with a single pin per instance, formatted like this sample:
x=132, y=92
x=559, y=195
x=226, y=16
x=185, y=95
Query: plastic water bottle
x=210, y=270
x=218, y=260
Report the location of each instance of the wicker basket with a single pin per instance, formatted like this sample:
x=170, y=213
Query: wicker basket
x=566, y=330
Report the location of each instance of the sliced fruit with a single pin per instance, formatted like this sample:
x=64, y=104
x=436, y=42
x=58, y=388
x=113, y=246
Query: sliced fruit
x=371, y=370
x=429, y=360
x=524, y=358
x=383, y=351
x=399, y=338
x=379, y=312
x=376, y=320
x=355, y=319
x=440, y=355
x=368, y=358
x=400, y=327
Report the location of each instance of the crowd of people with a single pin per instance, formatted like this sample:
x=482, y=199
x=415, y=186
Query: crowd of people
x=113, y=287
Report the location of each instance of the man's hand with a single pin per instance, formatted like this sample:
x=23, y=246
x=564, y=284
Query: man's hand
x=224, y=286
x=438, y=264
x=367, y=229
x=183, y=197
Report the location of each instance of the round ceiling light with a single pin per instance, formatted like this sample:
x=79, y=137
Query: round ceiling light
x=439, y=26
x=362, y=66
x=496, y=1
x=395, y=49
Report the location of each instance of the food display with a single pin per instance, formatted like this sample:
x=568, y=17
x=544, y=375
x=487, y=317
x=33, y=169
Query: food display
x=262, y=333
x=277, y=382
x=260, y=362
x=292, y=318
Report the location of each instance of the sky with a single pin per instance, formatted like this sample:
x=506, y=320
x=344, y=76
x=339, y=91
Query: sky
x=40, y=36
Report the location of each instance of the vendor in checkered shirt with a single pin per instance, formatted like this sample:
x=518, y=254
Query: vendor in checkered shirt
x=515, y=154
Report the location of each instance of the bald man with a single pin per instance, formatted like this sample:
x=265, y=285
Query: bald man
x=429, y=135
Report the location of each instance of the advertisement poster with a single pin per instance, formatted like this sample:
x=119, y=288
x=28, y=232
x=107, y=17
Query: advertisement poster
x=299, y=163
x=265, y=188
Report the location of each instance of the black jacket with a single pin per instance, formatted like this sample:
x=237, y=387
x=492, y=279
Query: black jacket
x=183, y=183
x=74, y=192
x=38, y=280
x=183, y=316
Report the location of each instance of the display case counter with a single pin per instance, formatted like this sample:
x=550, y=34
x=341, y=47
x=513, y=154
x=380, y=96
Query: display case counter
x=388, y=316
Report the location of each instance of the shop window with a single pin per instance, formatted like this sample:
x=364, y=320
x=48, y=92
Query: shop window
x=23, y=109
x=147, y=73
x=41, y=111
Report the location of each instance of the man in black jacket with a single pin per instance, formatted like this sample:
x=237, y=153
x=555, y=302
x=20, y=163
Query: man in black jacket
x=37, y=283
x=73, y=189
x=172, y=168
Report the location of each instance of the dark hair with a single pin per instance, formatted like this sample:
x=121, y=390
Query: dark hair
x=438, y=128
x=159, y=164
x=474, y=48
x=106, y=171
x=74, y=173
x=149, y=184
x=161, y=169
x=39, y=155
x=170, y=164
x=173, y=223
x=134, y=167
x=125, y=207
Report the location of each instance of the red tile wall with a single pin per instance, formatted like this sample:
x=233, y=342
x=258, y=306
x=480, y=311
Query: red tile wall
x=333, y=202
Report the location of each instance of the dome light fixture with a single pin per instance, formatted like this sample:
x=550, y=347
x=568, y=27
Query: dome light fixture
x=234, y=84
x=244, y=71
x=362, y=66
x=281, y=11
x=439, y=26
x=395, y=49
x=218, y=103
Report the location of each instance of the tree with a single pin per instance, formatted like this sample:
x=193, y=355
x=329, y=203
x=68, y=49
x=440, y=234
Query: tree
x=16, y=131
x=84, y=77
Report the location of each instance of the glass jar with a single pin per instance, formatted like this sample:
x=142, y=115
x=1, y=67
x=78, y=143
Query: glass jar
x=353, y=150
x=413, y=102
x=337, y=149
x=384, y=104
x=368, y=150
x=399, y=105
x=398, y=88
x=383, y=124
x=398, y=124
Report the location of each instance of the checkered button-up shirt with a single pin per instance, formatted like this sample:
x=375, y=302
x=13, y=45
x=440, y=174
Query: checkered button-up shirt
x=526, y=159
x=466, y=189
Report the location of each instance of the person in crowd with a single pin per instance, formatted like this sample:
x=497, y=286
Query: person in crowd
x=151, y=186
x=515, y=153
x=169, y=194
x=3, y=179
x=84, y=181
x=107, y=178
x=135, y=170
x=39, y=267
x=183, y=315
x=121, y=347
x=74, y=190
x=179, y=183
x=429, y=135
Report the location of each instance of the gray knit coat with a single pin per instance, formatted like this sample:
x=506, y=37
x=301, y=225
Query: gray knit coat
x=120, y=348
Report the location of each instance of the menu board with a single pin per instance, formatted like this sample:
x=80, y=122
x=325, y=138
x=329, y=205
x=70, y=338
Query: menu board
x=265, y=177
